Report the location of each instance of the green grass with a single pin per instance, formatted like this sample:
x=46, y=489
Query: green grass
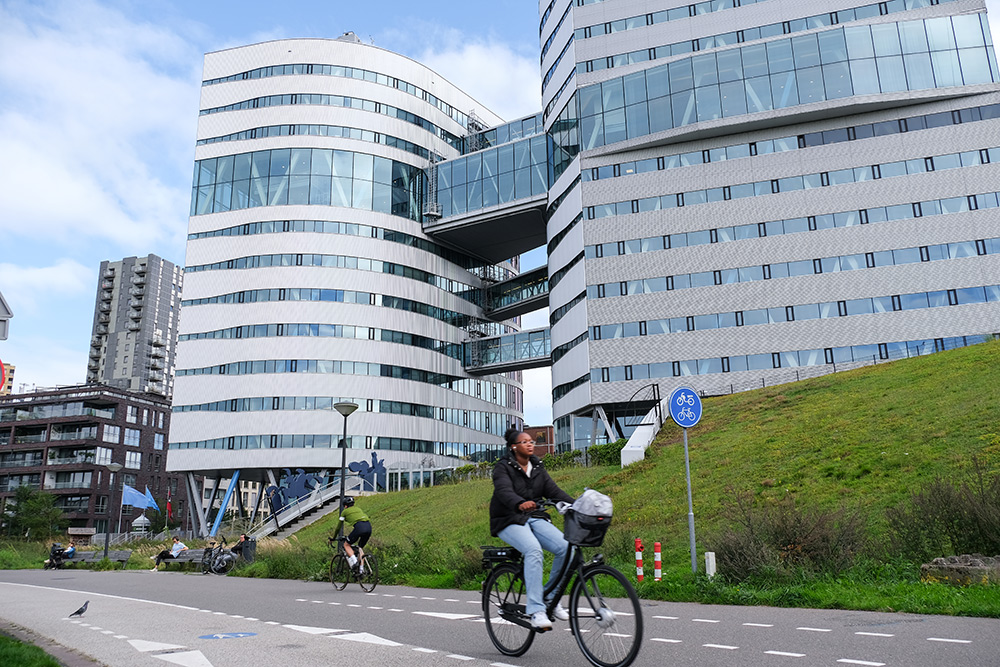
x=14, y=652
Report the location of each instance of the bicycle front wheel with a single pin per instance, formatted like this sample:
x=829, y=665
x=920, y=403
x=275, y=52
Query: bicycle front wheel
x=605, y=616
x=504, y=595
x=368, y=578
x=340, y=572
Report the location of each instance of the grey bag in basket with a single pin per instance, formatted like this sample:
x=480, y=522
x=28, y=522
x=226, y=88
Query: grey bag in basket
x=587, y=519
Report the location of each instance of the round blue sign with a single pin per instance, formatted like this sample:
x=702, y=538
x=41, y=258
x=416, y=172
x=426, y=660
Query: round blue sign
x=685, y=407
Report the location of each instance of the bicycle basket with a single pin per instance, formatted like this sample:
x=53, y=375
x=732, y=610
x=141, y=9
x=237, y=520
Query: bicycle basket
x=585, y=530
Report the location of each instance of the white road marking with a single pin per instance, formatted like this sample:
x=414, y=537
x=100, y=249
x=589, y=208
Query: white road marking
x=235, y=616
x=952, y=641
x=301, y=600
x=144, y=646
x=668, y=618
x=501, y=664
x=374, y=607
x=271, y=623
x=395, y=610
x=438, y=614
x=94, y=627
x=186, y=659
x=250, y=618
x=336, y=604
x=787, y=655
x=354, y=605
x=424, y=650
x=728, y=648
x=388, y=595
x=428, y=598
x=451, y=600
x=218, y=613
x=408, y=597
x=861, y=662
x=311, y=630
x=874, y=634
x=815, y=629
x=366, y=638
x=668, y=641
x=759, y=625
x=460, y=657
x=703, y=620
x=473, y=601
x=615, y=634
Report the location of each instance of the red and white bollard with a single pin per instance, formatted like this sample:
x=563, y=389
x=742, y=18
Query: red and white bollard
x=656, y=561
x=638, y=559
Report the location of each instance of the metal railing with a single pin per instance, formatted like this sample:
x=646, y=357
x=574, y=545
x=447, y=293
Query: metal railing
x=300, y=506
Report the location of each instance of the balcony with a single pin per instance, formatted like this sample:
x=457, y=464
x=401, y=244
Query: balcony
x=135, y=314
x=157, y=388
x=11, y=486
x=93, y=365
x=156, y=376
x=104, y=307
x=136, y=291
x=95, y=353
x=96, y=340
x=139, y=279
x=67, y=460
x=29, y=438
x=102, y=329
x=106, y=295
x=158, y=341
x=86, y=433
x=107, y=284
x=109, y=273
x=26, y=463
x=104, y=318
x=156, y=364
x=139, y=269
x=134, y=326
x=157, y=353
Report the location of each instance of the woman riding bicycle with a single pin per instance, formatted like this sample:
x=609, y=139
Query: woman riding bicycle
x=519, y=479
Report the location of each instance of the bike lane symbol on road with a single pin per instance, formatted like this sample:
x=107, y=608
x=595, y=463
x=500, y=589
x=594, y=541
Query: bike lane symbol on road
x=685, y=407
x=229, y=635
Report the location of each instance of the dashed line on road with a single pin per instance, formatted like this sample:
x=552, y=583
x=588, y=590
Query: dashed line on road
x=951, y=641
x=848, y=661
x=874, y=634
x=666, y=641
x=723, y=646
x=424, y=650
x=704, y=620
x=459, y=657
x=786, y=654
x=669, y=618
x=815, y=629
x=759, y=625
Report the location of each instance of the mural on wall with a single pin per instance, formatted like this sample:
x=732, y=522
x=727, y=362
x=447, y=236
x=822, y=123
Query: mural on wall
x=292, y=487
x=373, y=475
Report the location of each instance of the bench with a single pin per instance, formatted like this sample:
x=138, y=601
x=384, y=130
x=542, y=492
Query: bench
x=187, y=556
x=91, y=557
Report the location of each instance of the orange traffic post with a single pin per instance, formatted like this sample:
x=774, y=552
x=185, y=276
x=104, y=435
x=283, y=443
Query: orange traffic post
x=638, y=559
x=656, y=561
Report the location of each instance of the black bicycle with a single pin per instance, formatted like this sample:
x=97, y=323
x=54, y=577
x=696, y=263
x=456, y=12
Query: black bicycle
x=217, y=559
x=604, y=613
x=341, y=573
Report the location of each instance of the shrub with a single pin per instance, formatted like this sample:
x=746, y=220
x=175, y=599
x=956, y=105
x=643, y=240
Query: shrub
x=609, y=454
x=563, y=460
x=783, y=540
x=945, y=519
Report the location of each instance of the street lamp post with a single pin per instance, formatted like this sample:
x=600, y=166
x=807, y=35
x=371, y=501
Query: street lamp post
x=344, y=408
x=113, y=467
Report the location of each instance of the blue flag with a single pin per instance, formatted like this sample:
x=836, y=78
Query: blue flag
x=150, y=502
x=132, y=497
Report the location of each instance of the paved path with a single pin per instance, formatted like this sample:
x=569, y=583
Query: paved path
x=142, y=618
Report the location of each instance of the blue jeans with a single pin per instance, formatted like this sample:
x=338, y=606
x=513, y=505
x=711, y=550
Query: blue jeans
x=530, y=539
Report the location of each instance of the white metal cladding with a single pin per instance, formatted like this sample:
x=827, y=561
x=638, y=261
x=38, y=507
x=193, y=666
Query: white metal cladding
x=203, y=390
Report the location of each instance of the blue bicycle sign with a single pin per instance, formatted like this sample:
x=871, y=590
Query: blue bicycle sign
x=685, y=407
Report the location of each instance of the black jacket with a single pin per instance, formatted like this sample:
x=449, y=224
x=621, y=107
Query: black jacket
x=511, y=487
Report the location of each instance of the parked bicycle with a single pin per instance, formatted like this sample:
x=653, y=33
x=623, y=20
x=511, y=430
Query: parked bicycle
x=341, y=573
x=604, y=613
x=217, y=559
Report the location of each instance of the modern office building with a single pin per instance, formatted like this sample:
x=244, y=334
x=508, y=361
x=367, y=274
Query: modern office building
x=729, y=193
x=310, y=281
x=135, y=325
x=762, y=189
x=5, y=315
x=61, y=441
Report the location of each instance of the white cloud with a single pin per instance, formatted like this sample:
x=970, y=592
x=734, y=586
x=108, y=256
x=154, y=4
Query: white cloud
x=27, y=288
x=99, y=127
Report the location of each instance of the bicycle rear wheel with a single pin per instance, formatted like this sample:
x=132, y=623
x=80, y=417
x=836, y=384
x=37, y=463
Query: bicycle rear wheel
x=605, y=617
x=504, y=595
x=340, y=572
x=223, y=564
x=368, y=578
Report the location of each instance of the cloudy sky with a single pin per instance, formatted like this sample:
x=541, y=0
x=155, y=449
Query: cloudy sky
x=98, y=109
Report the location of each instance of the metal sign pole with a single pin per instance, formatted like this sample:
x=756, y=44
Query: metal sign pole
x=687, y=470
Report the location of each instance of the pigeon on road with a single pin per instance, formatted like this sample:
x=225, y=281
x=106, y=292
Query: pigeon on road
x=81, y=610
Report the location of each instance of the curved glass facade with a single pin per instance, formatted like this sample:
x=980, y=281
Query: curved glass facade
x=319, y=176
x=834, y=64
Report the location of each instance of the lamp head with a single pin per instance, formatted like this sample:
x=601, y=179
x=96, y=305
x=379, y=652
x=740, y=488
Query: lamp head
x=345, y=408
x=114, y=467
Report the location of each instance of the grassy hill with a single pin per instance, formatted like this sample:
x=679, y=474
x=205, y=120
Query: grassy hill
x=864, y=439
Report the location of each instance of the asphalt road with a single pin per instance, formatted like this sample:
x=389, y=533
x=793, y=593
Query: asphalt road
x=192, y=620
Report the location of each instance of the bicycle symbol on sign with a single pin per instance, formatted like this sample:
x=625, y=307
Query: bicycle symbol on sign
x=686, y=415
x=683, y=398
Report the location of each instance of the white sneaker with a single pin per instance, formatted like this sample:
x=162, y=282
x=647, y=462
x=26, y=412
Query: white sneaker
x=154, y=570
x=560, y=613
x=152, y=558
x=539, y=621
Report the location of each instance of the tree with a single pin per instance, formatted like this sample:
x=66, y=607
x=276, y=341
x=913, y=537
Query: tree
x=33, y=514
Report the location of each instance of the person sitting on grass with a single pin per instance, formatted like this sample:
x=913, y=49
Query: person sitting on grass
x=175, y=549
